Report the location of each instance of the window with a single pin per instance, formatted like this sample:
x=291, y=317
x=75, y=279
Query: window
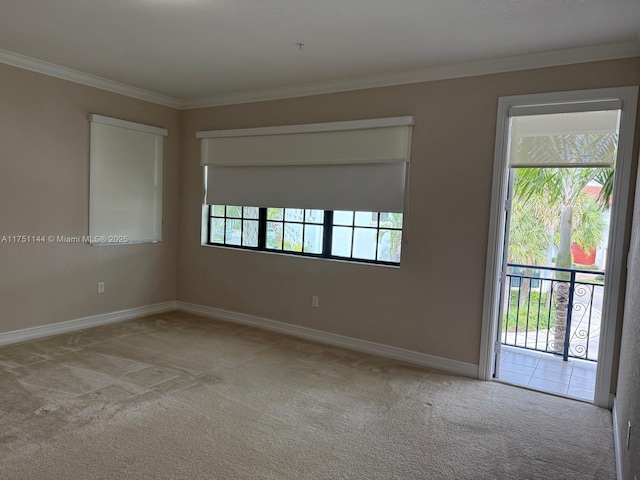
x=367, y=236
x=125, y=181
x=517, y=273
x=370, y=237
x=233, y=225
x=295, y=230
x=343, y=178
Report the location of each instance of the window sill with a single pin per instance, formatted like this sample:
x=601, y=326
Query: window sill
x=301, y=257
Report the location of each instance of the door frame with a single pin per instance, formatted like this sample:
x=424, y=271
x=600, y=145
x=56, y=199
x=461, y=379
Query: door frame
x=502, y=282
x=557, y=102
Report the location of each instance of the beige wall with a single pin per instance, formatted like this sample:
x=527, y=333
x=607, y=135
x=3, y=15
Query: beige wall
x=44, y=190
x=433, y=302
x=628, y=391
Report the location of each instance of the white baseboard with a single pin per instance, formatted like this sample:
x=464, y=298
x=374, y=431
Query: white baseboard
x=82, y=323
x=616, y=442
x=387, y=351
x=408, y=356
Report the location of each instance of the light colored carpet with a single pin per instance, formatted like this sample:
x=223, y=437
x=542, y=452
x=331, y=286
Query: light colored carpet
x=175, y=396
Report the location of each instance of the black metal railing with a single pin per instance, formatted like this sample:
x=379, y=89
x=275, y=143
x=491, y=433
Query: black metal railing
x=553, y=310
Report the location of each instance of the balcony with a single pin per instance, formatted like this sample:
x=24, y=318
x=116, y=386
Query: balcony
x=551, y=328
x=548, y=373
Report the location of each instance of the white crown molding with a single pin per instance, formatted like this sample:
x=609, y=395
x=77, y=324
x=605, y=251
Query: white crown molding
x=387, y=351
x=460, y=70
x=82, y=323
x=64, y=73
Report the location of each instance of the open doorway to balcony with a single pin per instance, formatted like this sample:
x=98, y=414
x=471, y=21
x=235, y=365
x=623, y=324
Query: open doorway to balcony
x=553, y=283
x=555, y=259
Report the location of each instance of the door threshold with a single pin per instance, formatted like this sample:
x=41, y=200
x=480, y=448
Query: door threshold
x=539, y=390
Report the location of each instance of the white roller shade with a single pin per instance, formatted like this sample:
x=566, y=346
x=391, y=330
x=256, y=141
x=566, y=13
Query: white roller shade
x=540, y=140
x=371, y=145
x=337, y=166
x=374, y=188
x=125, y=181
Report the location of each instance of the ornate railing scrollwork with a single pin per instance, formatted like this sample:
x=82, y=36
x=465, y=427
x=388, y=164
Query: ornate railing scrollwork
x=554, y=310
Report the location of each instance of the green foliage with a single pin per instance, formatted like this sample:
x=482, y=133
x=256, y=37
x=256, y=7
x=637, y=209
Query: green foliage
x=605, y=178
x=234, y=211
x=541, y=197
x=275, y=213
x=560, y=186
x=590, y=225
x=563, y=185
x=390, y=220
x=218, y=210
x=529, y=239
x=292, y=246
x=534, y=308
x=587, y=267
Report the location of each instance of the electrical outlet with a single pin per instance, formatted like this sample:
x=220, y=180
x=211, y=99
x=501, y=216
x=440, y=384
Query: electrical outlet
x=100, y=287
x=314, y=301
x=628, y=434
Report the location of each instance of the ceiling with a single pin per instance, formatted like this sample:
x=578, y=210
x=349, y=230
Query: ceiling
x=187, y=49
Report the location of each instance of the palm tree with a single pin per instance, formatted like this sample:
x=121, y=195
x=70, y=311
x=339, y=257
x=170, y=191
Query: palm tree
x=562, y=188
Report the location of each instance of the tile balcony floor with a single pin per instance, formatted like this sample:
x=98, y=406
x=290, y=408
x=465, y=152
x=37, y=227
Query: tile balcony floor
x=548, y=373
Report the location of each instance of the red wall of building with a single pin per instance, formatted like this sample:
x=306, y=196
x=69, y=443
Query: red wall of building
x=580, y=257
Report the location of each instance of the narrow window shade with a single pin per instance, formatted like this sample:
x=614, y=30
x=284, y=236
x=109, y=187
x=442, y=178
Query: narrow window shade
x=126, y=178
x=357, y=166
x=564, y=140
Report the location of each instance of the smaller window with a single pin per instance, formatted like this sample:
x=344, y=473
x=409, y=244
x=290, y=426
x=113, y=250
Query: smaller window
x=295, y=230
x=519, y=273
x=367, y=236
x=234, y=225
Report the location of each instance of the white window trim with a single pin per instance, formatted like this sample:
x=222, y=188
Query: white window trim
x=96, y=235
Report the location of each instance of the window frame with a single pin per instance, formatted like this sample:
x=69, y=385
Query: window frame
x=241, y=219
x=327, y=236
x=616, y=253
x=122, y=149
x=303, y=223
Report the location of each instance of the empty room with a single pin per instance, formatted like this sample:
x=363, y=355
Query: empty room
x=347, y=239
